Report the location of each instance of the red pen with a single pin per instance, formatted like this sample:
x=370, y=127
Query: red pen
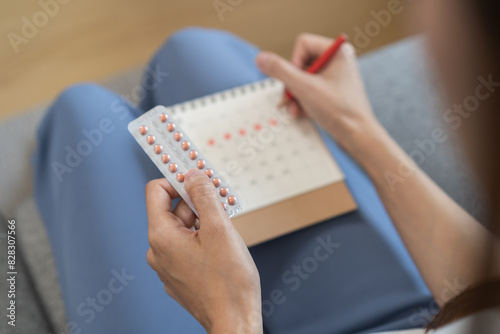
x=318, y=64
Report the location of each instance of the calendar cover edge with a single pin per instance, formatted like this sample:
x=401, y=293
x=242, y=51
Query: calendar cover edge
x=294, y=214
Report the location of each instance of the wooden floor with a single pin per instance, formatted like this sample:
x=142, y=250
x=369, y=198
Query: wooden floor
x=86, y=40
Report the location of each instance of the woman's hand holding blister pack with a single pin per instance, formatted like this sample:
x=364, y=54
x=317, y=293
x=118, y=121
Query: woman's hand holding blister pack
x=208, y=271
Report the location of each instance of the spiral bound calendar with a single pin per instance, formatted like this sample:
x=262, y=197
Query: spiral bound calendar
x=278, y=164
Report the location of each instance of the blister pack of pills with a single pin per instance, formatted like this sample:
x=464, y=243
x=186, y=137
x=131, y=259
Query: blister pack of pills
x=174, y=154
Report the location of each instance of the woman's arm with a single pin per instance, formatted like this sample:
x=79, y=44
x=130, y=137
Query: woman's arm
x=446, y=243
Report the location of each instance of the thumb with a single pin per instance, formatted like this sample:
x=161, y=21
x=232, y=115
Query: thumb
x=277, y=67
x=204, y=196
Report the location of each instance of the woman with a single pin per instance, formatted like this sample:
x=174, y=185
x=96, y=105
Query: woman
x=94, y=210
x=226, y=295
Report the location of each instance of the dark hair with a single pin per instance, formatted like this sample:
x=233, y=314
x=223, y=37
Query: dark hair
x=487, y=11
x=484, y=295
x=474, y=299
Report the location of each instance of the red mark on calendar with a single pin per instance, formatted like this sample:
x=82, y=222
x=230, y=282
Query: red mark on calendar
x=257, y=127
x=211, y=142
x=273, y=121
x=242, y=132
x=227, y=136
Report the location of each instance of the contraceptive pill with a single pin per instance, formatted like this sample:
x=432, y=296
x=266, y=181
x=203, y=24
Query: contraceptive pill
x=171, y=150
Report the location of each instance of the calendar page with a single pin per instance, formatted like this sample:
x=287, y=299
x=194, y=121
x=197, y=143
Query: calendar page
x=265, y=154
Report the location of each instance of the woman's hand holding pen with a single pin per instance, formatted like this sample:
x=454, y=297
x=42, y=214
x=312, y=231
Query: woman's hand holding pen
x=335, y=97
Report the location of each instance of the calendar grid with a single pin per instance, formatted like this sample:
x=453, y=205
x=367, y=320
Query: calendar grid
x=265, y=155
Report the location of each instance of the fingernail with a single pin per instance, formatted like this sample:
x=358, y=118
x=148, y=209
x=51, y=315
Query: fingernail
x=192, y=172
x=262, y=59
x=295, y=114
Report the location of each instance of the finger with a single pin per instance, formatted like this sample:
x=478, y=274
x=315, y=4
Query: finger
x=294, y=109
x=309, y=47
x=295, y=79
x=344, y=60
x=204, y=196
x=159, y=195
x=184, y=212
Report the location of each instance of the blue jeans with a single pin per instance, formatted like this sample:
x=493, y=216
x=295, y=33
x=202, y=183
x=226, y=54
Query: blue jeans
x=347, y=274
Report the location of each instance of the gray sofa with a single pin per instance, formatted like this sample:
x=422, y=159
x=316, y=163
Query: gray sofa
x=403, y=93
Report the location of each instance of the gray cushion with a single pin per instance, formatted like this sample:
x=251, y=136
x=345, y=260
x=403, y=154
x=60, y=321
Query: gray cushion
x=30, y=317
x=403, y=91
x=41, y=308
